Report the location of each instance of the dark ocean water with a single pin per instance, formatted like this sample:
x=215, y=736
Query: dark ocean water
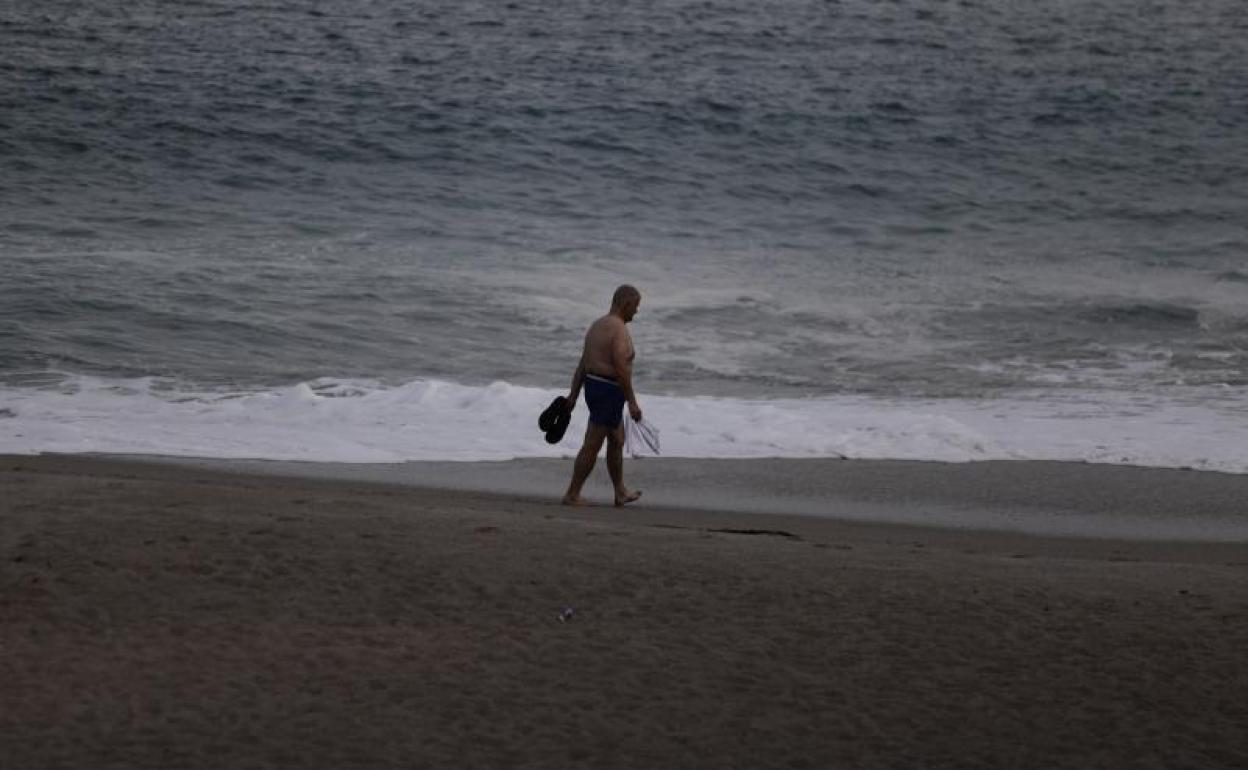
x=908, y=199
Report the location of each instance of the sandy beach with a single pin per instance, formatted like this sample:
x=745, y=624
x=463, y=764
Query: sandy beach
x=157, y=615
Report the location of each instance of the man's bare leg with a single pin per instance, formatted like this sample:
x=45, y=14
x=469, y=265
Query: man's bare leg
x=585, y=459
x=615, y=466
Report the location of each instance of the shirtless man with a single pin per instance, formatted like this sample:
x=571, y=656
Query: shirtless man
x=606, y=372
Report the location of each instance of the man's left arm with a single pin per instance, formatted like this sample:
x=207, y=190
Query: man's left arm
x=578, y=379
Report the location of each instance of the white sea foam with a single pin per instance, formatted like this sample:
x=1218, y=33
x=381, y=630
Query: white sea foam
x=369, y=422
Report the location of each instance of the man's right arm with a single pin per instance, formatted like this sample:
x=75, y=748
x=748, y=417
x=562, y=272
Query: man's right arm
x=622, y=350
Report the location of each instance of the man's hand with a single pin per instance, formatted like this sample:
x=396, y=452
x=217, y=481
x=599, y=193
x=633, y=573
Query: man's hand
x=569, y=404
x=634, y=411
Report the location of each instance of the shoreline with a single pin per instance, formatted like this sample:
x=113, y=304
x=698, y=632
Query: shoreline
x=1025, y=497
x=866, y=506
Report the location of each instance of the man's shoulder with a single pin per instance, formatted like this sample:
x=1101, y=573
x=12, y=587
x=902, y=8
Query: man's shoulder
x=608, y=321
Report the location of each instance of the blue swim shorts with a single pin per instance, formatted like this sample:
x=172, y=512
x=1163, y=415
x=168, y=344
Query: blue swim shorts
x=605, y=399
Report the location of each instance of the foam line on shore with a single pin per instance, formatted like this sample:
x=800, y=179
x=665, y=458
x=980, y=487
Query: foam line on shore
x=359, y=421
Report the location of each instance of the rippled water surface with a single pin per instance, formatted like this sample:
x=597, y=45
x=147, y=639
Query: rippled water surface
x=907, y=199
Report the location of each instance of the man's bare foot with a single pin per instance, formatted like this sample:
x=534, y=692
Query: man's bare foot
x=626, y=498
x=574, y=500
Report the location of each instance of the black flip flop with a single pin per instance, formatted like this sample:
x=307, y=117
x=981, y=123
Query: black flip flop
x=554, y=420
x=547, y=419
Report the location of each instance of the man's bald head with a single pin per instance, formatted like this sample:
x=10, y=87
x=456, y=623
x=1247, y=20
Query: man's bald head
x=625, y=301
x=626, y=293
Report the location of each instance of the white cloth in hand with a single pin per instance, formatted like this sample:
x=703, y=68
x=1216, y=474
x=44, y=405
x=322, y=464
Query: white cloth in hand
x=640, y=438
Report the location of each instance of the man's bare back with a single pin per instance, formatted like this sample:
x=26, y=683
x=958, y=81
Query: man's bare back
x=606, y=343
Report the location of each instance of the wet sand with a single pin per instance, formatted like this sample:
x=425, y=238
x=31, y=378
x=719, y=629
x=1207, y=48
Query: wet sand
x=171, y=615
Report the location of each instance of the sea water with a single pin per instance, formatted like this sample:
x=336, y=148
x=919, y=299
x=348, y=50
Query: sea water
x=376, y=231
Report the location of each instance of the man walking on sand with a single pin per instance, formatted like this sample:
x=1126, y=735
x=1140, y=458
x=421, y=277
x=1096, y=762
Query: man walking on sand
x=606, y=372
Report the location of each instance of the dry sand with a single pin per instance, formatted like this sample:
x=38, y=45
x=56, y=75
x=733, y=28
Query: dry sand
x=177, y=617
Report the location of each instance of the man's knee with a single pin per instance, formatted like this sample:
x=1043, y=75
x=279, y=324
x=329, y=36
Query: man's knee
x=616, y=438
x=595, y=435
